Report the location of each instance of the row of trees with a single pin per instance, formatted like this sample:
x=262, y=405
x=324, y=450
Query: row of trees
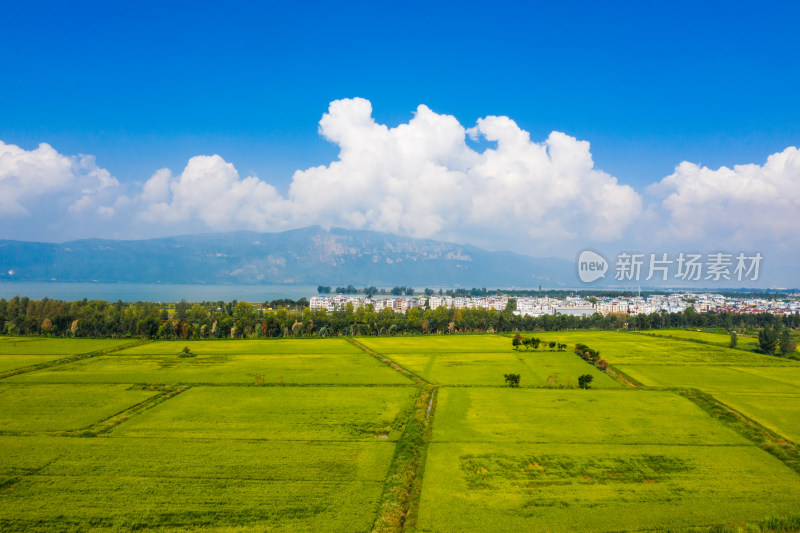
x=372, y=291
x=535, y=342
x=591, y=356
x=97, y=318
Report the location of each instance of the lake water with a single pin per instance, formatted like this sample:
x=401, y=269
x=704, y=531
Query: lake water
x=154, y=292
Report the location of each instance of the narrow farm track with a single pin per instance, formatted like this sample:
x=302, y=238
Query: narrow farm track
x=622, y=378
x=399, y=503
x=106, y=425
x=418, y=379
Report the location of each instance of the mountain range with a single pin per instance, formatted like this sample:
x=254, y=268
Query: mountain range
x=307, y=256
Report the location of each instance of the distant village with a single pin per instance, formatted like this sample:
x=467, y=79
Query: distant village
x=571, y=305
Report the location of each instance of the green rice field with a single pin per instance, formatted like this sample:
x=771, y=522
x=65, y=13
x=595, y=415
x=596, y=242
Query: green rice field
x=745, y=342
x=393, y=434
x=439, y=360
x=332, y=361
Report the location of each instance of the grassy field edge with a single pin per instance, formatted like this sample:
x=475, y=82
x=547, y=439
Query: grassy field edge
x=400, y=499
x=769, y=441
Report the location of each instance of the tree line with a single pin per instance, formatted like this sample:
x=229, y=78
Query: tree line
x=370, y=291
x=288, y=318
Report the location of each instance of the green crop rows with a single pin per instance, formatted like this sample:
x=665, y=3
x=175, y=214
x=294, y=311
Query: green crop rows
x=396, y=434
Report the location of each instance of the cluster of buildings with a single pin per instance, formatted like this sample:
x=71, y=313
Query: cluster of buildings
x=584, y=306
x=670, y=303
x=571, y=305
x=399, y=304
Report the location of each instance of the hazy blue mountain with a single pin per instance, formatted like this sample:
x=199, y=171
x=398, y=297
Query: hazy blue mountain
x=304, y=256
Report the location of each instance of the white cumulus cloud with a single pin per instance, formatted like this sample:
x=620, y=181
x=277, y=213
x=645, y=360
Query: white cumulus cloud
x=747, y=205
x=421, y=178
x=210, y=190
x=45, y=184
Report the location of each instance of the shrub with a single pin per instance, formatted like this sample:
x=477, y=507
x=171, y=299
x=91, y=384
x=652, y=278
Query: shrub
x=186, y=352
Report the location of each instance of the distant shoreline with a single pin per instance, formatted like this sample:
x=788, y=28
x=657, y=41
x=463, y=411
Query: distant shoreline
x=152, y=292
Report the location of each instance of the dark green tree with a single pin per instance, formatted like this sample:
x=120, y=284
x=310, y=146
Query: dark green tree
x=180, y=310
x=767, y=340
x=785, y=344
x=585, y=380
x=512, y=380
x=734, y=340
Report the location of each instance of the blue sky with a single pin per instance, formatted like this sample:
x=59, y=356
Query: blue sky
x=148, y=85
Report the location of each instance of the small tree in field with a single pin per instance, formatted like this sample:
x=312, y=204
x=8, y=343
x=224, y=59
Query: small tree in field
x=734, y=340
x=517, y=341
x=186, y=352
x=512, y=380
x=584, y=380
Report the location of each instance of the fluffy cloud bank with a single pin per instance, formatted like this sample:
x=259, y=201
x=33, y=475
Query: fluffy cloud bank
x=29, y=180
x=210, y=190
x=421, y=178
x=748, y=204
x=424, y=178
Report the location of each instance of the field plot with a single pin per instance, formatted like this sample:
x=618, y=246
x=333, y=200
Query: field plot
x=633, y=348
x=776, y=411
x=168, y=484
x=18, y=352
x=709, y=378
x=555, y=487
x=541, y=460
x=185, y=458
x=55, y=346
x=279, y=413
x=786, y=374
x=438, y=343
x=245, y=347
x=331, y=361
x=764, y=388
x=443, y=363
x=10, y=362
x=214, y=457
x=574, y=416
x=720, y=339
x=62, y=407
x=243, y=458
